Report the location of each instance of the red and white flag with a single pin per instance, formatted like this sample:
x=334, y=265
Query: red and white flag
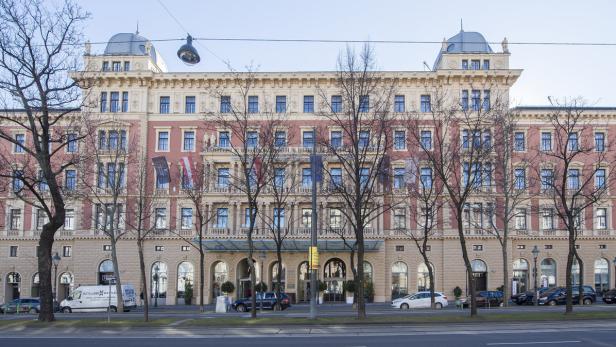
x=188, y=170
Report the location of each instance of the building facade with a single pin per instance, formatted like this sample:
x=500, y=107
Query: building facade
x=137, y=104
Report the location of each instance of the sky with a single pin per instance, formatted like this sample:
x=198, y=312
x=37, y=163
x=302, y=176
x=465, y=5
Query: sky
x=556, y=71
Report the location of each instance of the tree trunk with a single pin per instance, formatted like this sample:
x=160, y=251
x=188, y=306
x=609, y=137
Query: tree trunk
x=506, y=281
x=116, y=274
x=144, y=283
x=569, y=277
x=359, y=283
x=467, y=264
x=201, y=277
x=430, y=276
x=46, y=313
x=279, y=274
x=253, y=279
x=581, y=284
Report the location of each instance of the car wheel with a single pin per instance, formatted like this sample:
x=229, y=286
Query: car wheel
x=33, y=311
x=587, y=301
x=240, y=308
x=404, y=307
x=113, y=309
x=438, y=306
x=552, y=303
x=66, y=310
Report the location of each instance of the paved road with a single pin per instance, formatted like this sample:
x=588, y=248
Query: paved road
x=566, y=334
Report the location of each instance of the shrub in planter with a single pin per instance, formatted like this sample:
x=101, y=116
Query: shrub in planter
x=457, y=292
x=261, y=287
x=349, y=287
x=227, y=287
x=188, y=293
x=369, y=291
x=322, y=286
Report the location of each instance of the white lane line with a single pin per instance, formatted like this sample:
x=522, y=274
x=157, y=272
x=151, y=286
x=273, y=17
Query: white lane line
x=531, y=343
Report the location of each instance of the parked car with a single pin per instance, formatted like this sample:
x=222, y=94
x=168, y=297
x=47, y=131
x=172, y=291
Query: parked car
x=266, y=300
x=22, y=305
x=527, y=297
x=558, y=296
x=485, y=298
x=610, y=297
x=420, y=300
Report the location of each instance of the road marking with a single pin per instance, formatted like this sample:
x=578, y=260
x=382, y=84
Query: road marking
x=530, y=343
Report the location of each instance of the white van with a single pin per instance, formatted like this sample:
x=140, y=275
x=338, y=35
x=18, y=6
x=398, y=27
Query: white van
x=96, y=299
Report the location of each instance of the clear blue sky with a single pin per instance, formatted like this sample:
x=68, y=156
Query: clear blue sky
x=548, y=70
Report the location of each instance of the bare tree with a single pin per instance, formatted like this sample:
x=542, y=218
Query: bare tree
x=361, y=111
x=38, y=48
x=461, y=146
x=576, y=173
x=252, y=128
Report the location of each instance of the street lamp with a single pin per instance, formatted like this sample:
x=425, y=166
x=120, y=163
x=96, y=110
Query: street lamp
x=535, y=253
x=188, y=53
x=55, y=260
x=156, y=278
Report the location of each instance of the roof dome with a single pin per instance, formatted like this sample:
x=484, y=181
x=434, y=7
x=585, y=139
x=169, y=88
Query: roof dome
x=468, y=42
x=128, y=44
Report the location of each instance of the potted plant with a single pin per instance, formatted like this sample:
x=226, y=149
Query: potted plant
x=188, y=293
x=349, y=288
x=227, y=288
x=261, y=287
x=457, y=293
x=369, y=291
x=322, y=287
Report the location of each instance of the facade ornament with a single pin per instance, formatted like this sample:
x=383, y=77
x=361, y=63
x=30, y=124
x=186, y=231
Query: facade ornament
x=148, y=47
x=444, y=46
x=87, y=48
x=505, y=45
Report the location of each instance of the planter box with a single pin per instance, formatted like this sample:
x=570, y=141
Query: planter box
x=349, y=299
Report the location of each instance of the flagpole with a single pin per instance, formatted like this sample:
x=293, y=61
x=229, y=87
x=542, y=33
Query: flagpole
x=314, y=290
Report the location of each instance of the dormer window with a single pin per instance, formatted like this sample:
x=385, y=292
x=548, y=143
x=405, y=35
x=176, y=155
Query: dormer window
x=475, y=64
x=115, y=66
x=486, y=64
x=127, y=66
x=464, y=64
x=105, y=66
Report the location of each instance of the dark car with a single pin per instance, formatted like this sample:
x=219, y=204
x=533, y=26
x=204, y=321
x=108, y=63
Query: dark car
x=266, y=300
x=24, y=305
x=527, y=297
x=558, y=296
x=485, y=298
x=610, y=297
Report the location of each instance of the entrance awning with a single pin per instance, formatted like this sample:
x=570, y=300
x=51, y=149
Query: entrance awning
x=234, y=245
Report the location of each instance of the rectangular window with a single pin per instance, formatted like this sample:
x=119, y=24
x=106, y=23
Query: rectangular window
x=281, y=103
x=335, y=139
x=572, y=142
x=521, y=246
x=335, y=218
x=399, y=103
x=224, y=139
x=477, y=247
x=163, y=140
x=364, y=138
x=42, y=182
x=279, y=177
x=278, y=217
x=547, y=179
x=475, y=64
x=253, y=104
x=159, y=248
x=21, y=142
x=222, y=217
x=71, y=180
x=225, y=104
x=187, y=218
x=114, y=139
x=13, y=251
x=127, y=66
x=600, y=178
x=548, y=247
x=519, y=141
x=69, y=219
x=487, y=139
x=306, y=217
x=280, y=139
x=308, y=139
x=547, y=219
x=426, y=139
x=486, y=100
x=487, y=175
x=601, y=218
x=399, y=139
x=336, y=103
x=426, y=177
x=599, y=142
x=252, y=139
x=164, y=104
x=124, y=101
x=308, y=103
x=399, y=218
x=425, y=103
x=399, y=248
x=67, y=251
x=364, y=103
x=105, y=66
x=475, y=99
x=190, y=104
x=546, y=141
x=399, y=173
x=364, y=177
x=161, y=218
x=18, y=182
x=162, y=182
x=336, y=177
x=573, y=179
x=223, y=177
x=464, y=100
x=520, y=179
x=185, y=248
x=247, y=217
x=486, y=64
x=106, y=248
x=111, y=175
x=115, y=102
x=189, y=141
x=41, y=219
x=15, y=222
x=464, y=64
x=103, y=103
x=116, y=67
x=520, y=218
x=602, y=246
x=71, y=143
x=306, y=177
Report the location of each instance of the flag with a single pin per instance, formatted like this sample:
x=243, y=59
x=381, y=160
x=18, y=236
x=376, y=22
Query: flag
x=188, y=171
x=162, y=169
x=257, y=169
x=316, y=162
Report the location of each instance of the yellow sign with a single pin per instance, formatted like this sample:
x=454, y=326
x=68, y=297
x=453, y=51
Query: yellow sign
x=313, y=257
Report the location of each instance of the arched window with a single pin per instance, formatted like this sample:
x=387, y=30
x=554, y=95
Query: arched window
x=334, y=275
x=480, y=274
x=368, y=276
x=186, y=274
x=399, y=280
x=575, y=272
x=13, y=286
x=303, y=282
x=602, y=275
x=520, y=276
x=105, y=272
x=274, y=278
x=220, y=275
x=243, y=277
x=159, y=280
x=423, y=277
x=66, y=284
x=548, y=273
x=36, y=282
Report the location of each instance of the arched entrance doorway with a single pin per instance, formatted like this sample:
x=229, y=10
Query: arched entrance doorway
x=575, y=272
x=13, y=286
x=105, y=272
x=399, y=280
x=334, y=275
x=548, y=273
x=274, y=277
x=480, y=274
x=36, y=283
x=220, y=275
x=186, y=274
x=65, y=286
x=423, y=277
x=243, y=278
x=602, y=276
x=303, y=282
x=158, y=282
x=519, y=283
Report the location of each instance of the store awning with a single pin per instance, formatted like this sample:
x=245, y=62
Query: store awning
x=234, y=245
